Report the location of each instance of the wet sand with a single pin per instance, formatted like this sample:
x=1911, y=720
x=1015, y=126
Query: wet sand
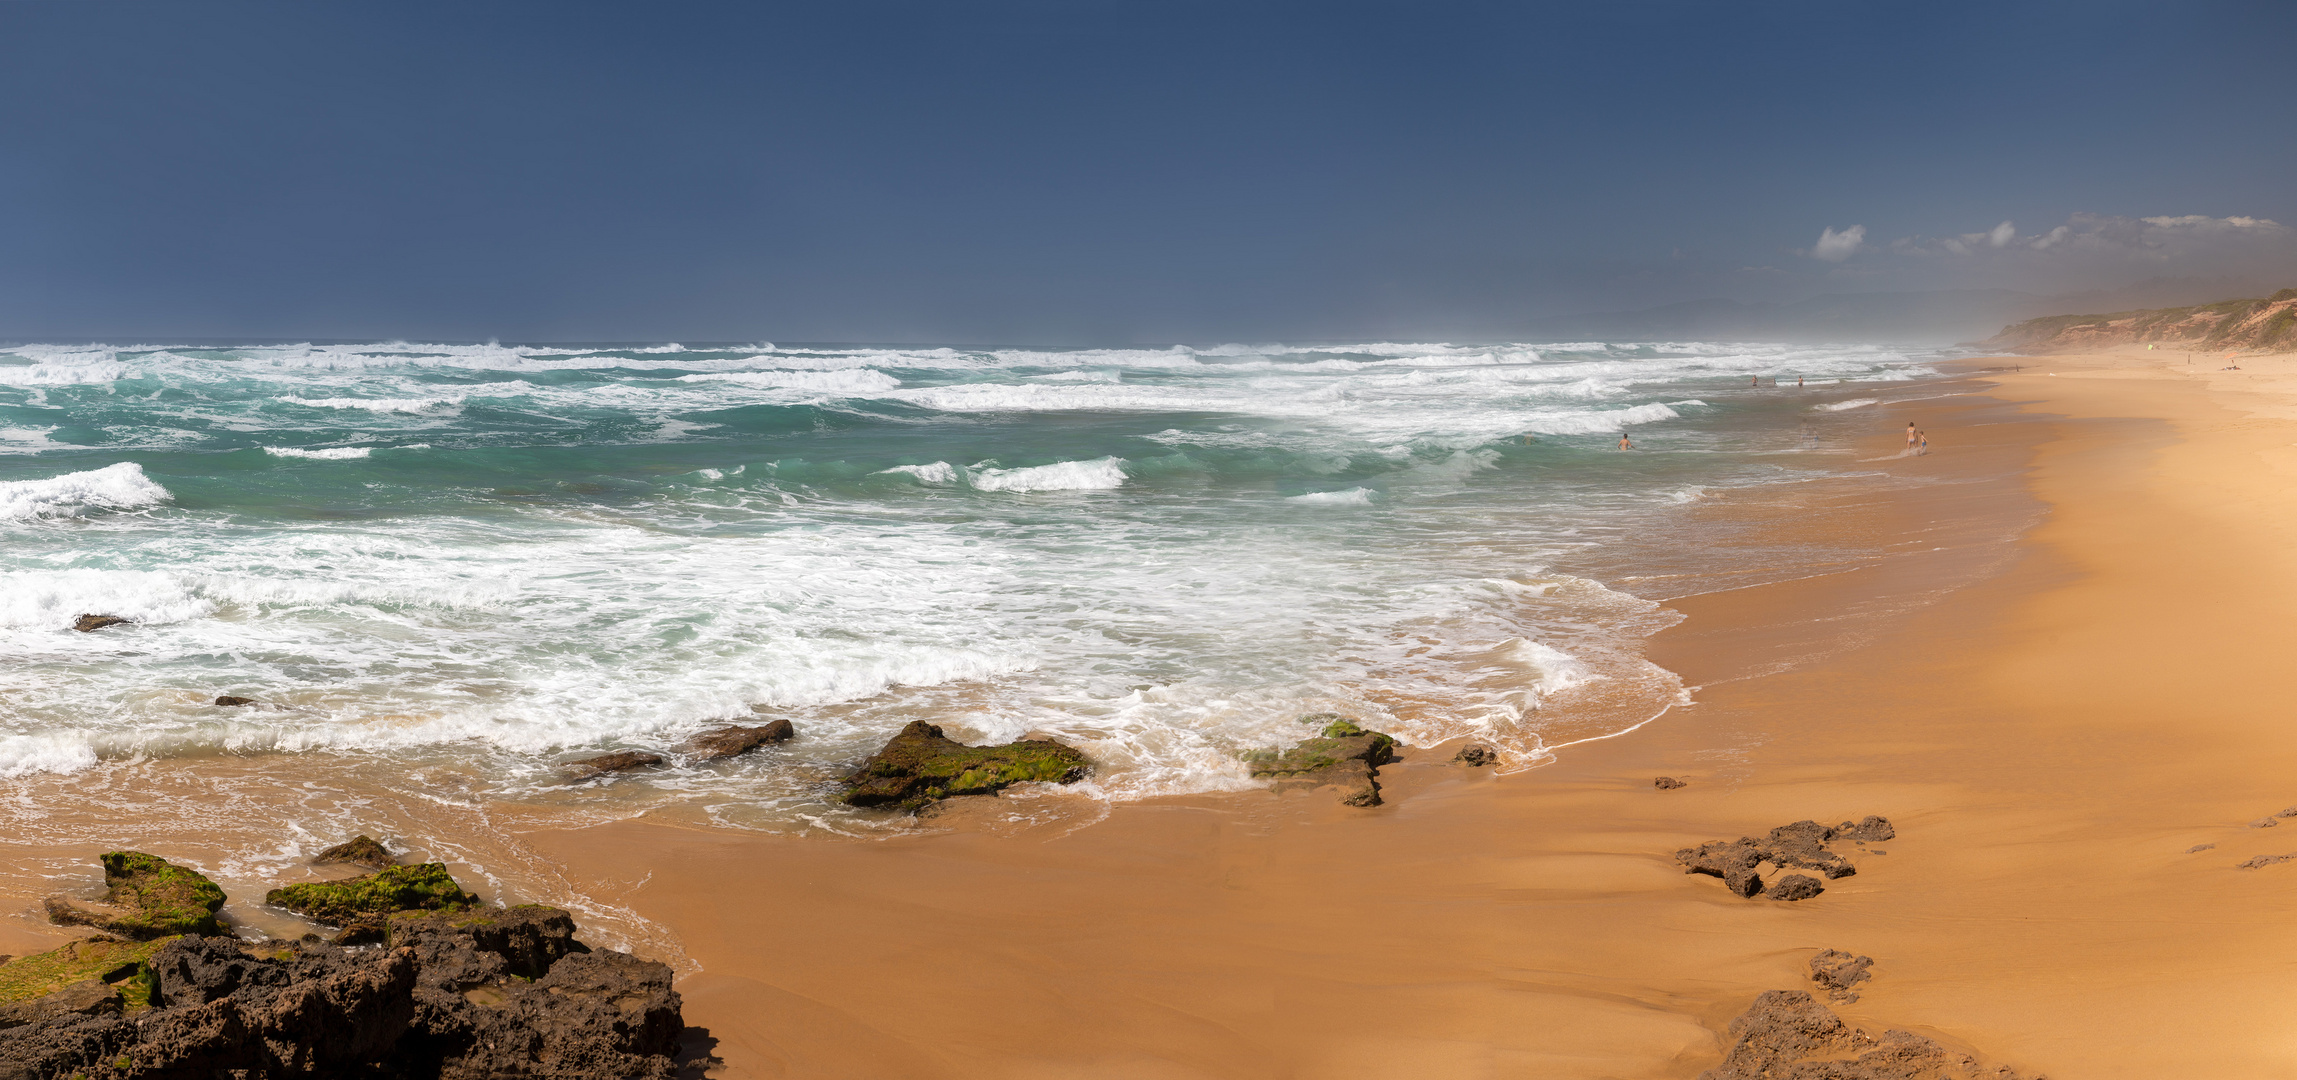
x=2051, y=723
x=2050, y=740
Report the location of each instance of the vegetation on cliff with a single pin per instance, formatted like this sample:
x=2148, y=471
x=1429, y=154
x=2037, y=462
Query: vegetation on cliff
x=2267, y=325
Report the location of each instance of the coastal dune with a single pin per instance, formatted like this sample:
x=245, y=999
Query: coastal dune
x=2051, y=723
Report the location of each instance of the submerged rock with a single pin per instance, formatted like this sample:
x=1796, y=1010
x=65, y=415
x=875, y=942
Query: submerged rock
x=1345, y=756
x=479, y=994
x=88, y=624
x=920, y=765
x=620, y=761
x=360, y=850
x=230, y=702
x=149, y=897
x=423, y=887
x=1476, y=755
x=1668, y=783
x=1801, y=845
x=1837, y=972
x=1788, y=1035
x=734, y=740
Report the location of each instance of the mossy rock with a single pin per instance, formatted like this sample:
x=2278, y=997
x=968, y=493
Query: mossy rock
x=109, y=960
x=921, y=765
x=360, y=850
x=155, y=898
x=1345, y=756
x=423, y=887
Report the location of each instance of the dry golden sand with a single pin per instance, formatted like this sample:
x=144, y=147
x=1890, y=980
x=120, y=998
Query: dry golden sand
x=2051, y=724
x=2050, y=741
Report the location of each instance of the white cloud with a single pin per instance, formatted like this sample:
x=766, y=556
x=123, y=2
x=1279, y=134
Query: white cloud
x=2002, y=234
x=1835, y=246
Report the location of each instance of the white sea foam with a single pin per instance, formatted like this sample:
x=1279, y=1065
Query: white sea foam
x=847, y=381
x=1356, y=496
x=333, y=453
x=939, y=472
x=21, y=755
x=380, y=405
x=1100, y=474
x=114, y=487
x=1838, y=406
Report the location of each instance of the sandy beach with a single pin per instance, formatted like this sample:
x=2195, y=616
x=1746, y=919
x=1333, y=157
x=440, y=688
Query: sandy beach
x=2064, y=675
x=2050, y=738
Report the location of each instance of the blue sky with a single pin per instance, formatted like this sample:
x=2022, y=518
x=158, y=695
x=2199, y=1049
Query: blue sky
x=1094, y=172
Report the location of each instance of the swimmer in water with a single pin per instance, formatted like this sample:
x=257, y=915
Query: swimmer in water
x=1625, y=443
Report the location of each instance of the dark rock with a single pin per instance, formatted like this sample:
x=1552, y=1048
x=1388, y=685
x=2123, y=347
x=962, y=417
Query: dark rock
x=733, y=741
x=1838, y=972
x=583, y=1014
x=1732, y=860
x=472, y=995
x=619, y=761
x=1668, y=783
x=1801, y=845
x=1796, y=887
x=1788, y=1035
x=360, y=850
x=2199, y=848
x=361, y=930
x=228, y=701
x=423, y=887
x=1873, y=827
x=89, y=624
x=920, y=765
x=1476, y=755
x=1345, y=756
x=2265, y=860
x=149, y=897
x=2266, y=822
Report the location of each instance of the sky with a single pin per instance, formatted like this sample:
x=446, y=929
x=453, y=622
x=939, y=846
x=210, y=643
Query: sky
x=1092, y=172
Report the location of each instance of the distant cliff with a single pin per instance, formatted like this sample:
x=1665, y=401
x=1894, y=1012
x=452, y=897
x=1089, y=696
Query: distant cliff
x=2268, y=325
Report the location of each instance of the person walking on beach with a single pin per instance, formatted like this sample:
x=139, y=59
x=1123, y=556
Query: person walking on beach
x=1911, y=435
x=1921, y=444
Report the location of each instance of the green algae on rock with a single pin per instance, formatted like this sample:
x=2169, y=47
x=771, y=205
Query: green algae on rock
x=423, y=887
x=1345, y=755
x=90, y=976
x=921, y=765
x=153, y=898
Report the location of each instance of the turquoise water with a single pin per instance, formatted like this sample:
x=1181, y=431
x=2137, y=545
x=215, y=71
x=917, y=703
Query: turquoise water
x=468, y=564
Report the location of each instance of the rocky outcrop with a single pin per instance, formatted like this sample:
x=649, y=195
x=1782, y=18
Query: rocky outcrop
x=147, y=897
x=360, y=850
x=2268, y=325
x=734, y=740
x=229, y=702
x=1801, y=845
x=921, y=765
x=506, y=993
x=619, y=761
x=1668, y=783
x=1345, y=756
x=1788, y=1035
x=422, y=887
x=1838, y=973
x=88, y=624
x=510, y=992
x=1476, y=755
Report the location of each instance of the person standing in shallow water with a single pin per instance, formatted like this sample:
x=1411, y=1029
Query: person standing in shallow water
x=1624, y=442
x=1911, y=435
x=1921, y=444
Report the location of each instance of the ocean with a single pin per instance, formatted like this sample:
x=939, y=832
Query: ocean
x=445, y=570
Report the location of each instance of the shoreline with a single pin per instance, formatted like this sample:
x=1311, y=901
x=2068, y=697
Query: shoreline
x=2037, y=907
x=2000, y=702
